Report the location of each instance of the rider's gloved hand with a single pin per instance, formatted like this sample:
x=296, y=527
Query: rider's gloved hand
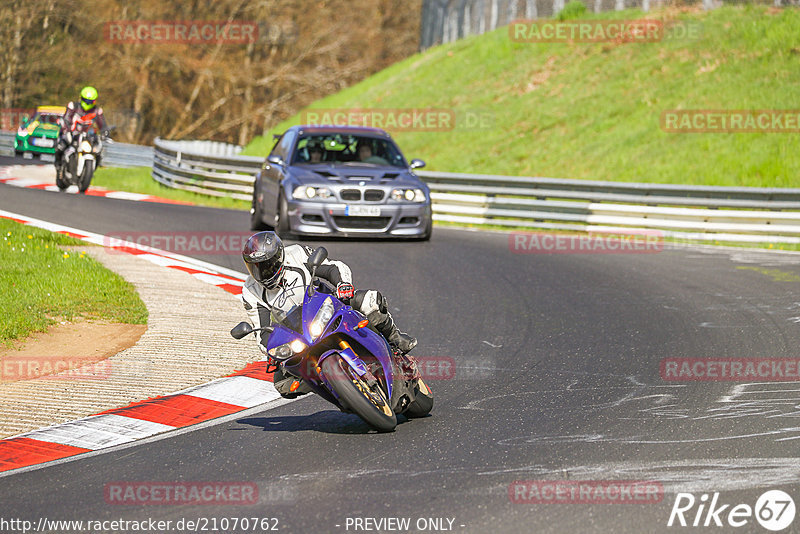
x=344, y=291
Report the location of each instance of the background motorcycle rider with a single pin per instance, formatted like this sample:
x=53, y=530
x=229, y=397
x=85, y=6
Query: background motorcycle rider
x=278, y=277
x=84, y=111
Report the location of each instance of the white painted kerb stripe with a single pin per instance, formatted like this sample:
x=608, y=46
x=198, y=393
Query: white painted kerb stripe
x=237, y=390
x=99, y=431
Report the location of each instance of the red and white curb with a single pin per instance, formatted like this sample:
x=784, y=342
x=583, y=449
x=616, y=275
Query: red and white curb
x=242, y=390
x=49, y=185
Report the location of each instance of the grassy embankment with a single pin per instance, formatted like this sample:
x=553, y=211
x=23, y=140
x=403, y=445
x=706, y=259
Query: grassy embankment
x=592, y=110
x=43, y=284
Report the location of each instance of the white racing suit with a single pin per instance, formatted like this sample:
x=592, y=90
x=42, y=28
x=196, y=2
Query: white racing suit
x=259, y=301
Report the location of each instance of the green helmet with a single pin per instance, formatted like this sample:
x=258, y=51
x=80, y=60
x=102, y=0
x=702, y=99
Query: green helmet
x=88, y=97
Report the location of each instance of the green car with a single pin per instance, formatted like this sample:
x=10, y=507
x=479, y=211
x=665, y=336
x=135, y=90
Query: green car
x=39, y=133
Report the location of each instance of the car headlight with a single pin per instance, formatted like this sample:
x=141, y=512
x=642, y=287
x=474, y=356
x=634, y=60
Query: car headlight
x=307, y=192
x=22, y=132
x=408, y=195
x=321, y=319
x=287, y=349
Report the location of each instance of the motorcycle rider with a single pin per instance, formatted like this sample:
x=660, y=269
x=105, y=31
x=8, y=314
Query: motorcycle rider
x=83, y=111
x=278, y=277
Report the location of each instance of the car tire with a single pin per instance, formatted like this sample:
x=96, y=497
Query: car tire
x=19, y=153
x=282, y=226
x=426, y=236
x=257, y=216
x=36, y=155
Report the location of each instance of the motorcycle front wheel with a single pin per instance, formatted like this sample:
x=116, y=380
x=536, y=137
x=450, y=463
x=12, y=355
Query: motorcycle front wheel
x=86, y=176
x=369, y=404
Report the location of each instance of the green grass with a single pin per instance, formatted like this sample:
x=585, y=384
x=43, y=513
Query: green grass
x=140, y=180
x=592, y=111
x=42, y=282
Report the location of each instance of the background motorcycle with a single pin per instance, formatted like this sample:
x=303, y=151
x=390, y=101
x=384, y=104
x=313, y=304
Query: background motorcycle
x=81, y=158
x=328, y=344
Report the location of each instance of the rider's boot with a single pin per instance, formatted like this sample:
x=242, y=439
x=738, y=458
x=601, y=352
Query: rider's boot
x=384, y=324
x=288, y=385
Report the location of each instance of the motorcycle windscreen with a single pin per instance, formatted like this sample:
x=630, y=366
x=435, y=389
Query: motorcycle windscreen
x=293, y=319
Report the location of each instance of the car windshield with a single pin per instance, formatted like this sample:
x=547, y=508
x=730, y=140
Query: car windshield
x=292, y=319
x=347, y=149
x=48, y=118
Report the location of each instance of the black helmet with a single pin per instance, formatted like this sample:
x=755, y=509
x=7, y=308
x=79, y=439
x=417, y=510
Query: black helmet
x=263, y=256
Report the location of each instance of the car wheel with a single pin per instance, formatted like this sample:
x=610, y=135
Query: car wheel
x=426, y=236
x=257, y=216
x=36, y=155
x=19, y=153
x=282, y=226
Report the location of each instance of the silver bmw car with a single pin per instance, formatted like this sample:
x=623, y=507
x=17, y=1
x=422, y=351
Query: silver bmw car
x=340, y=181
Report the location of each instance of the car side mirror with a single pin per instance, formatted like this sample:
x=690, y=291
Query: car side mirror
x=241, y=330
x=275, y=160
x=417, y=164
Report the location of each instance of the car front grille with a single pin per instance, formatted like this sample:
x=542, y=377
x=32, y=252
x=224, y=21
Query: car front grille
x=350, y=194
x=373, y=195
x=361, y=223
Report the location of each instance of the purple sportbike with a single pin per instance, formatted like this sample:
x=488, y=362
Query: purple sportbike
x=332, y=348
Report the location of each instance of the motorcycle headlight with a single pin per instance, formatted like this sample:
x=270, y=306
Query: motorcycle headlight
x=86, y=146
x=321, y=319
x=287, y=349
x=307, y=192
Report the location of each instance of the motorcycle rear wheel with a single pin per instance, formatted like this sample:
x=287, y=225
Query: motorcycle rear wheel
x=369, y=404
x=61, y=183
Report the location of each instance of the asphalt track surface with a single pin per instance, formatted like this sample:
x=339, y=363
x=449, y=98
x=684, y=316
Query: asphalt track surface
x=556, y=377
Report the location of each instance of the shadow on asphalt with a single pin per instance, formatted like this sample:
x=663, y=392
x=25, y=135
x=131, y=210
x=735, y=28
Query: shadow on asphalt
x=326, y=421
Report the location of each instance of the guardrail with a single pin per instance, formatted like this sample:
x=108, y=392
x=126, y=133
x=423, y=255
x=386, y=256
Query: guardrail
x=181, y=165
x=114, y=154
x=745, y=214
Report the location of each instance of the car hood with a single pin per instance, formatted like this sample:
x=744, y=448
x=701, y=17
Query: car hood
x=48, y=130
x=39, y=130
x=346, y=174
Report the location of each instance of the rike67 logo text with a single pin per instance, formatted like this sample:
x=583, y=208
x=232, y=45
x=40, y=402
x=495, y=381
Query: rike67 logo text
x=774, y=510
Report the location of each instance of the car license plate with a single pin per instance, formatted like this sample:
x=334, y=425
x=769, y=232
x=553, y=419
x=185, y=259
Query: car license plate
x=42, y=142
x=362, y=211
